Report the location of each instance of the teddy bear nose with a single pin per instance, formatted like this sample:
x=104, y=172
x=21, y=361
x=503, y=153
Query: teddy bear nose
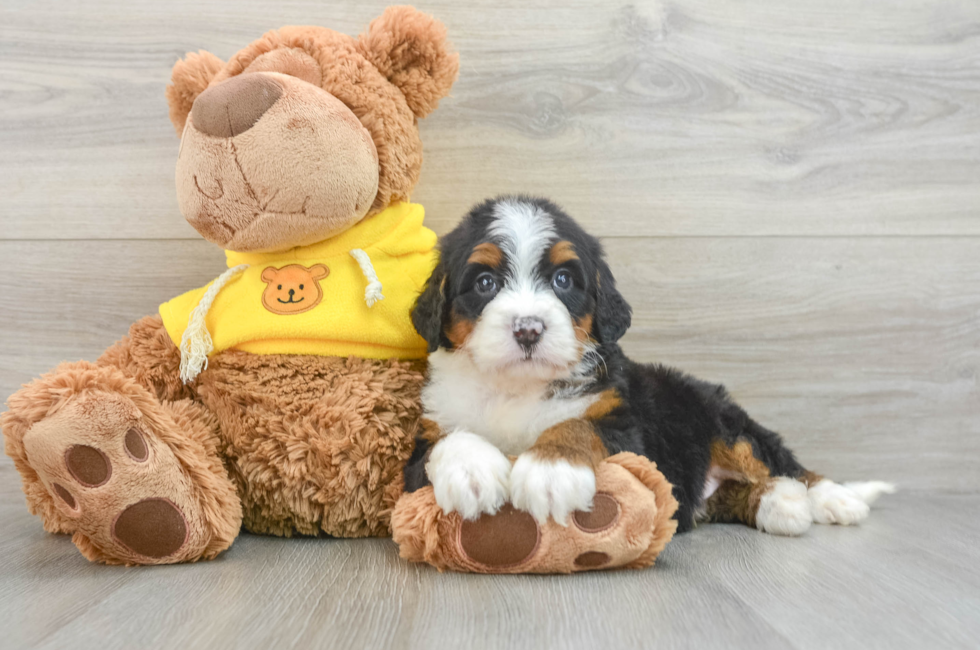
x=235, y=105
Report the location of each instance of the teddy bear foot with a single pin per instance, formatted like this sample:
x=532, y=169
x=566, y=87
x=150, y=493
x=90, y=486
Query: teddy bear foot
x=629, y=524
x=108, y=471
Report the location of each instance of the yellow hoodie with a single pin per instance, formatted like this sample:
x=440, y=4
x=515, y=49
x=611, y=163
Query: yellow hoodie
x=348, y=295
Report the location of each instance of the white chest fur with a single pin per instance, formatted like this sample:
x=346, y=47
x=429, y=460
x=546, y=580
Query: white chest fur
x=459, y=398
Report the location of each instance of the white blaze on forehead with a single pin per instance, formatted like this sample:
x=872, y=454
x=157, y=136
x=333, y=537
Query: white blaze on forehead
x=523, y=231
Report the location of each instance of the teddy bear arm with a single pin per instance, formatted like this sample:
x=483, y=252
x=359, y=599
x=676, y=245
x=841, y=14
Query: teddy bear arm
x=629, y=525
x=148, y=355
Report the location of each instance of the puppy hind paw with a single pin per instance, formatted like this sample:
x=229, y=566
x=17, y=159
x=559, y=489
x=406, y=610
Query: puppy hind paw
x=784, y=509
x=832, y=503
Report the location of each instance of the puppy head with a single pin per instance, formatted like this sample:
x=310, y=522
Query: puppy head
x=522, y=290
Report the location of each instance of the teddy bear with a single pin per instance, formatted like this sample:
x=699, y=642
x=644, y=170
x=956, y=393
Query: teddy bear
x=283, y=397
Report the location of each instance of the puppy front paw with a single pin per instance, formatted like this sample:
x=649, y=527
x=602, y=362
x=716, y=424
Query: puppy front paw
x=554, y=488
x=468, y=475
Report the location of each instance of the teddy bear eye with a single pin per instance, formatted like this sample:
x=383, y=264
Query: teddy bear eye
x=300, y=287
x=280, y=287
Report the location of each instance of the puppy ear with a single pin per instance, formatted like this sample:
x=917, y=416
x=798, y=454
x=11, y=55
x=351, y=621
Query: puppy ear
x=429, y=312
x=613, y=314
x=411, y=51
x=189, y=78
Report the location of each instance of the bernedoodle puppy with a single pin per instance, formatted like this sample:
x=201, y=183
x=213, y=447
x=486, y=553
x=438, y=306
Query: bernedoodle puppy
x=522, y=318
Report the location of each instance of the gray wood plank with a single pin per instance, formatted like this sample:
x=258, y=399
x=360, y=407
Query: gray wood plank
x=647, y=118
x=885, y=584
x=864, y=353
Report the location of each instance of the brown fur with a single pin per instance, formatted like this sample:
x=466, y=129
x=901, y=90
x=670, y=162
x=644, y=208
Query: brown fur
x=583, y=328
x=573, y=440
x=292, y=61
x=149, y=356
x=189, y=78
x=411, y=51
x=811, y=478
x=609, y=400
x=737, y=499
x=562, y=252
x=487, y=254
x=644, y=526
x=739, y=459
x=459, y=330
x=430, y=430
x=316, y=444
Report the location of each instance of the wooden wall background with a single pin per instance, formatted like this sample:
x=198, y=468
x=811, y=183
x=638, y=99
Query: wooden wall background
x=789, y=191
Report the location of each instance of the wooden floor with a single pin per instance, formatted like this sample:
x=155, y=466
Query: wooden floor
x=908, y=578
x=790, y=194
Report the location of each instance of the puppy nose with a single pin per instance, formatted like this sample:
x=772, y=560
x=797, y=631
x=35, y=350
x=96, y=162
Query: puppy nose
x=527, y=331
x=235, y=105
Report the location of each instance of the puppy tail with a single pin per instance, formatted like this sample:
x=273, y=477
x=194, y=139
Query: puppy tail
x=869, y=491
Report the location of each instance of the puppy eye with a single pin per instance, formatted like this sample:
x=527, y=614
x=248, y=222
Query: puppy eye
x=485, y=284
x=562, y=281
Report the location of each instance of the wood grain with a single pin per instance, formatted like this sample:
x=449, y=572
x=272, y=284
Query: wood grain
x=649, y=118
x=884, y=584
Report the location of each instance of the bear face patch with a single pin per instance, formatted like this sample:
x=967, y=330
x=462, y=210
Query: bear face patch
x=293, y=289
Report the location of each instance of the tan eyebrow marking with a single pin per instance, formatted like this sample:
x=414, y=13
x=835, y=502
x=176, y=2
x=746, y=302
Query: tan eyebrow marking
x=459, y=329
x=487, y=254
x=562, y=252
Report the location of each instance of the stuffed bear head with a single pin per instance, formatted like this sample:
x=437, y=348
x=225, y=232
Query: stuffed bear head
x=306, y=131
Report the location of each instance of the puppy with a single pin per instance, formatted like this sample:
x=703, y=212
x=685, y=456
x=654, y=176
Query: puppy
x=522, y=318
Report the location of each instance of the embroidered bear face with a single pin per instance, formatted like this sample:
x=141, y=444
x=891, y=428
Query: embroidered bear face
x=293, y=289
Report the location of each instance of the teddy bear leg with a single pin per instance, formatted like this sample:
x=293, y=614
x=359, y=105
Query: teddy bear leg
x=137, y=480
x=629, y=524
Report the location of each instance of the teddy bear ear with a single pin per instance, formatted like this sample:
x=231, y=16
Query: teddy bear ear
x=190, y=77
x=410, y=49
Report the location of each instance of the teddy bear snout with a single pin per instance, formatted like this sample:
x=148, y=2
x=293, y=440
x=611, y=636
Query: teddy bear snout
x=235, y=105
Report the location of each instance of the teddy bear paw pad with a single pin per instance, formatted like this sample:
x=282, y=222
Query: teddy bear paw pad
x=502, y=540
x=152, y=528
x=88, y=465
x=604, y=514
x=592, y=560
